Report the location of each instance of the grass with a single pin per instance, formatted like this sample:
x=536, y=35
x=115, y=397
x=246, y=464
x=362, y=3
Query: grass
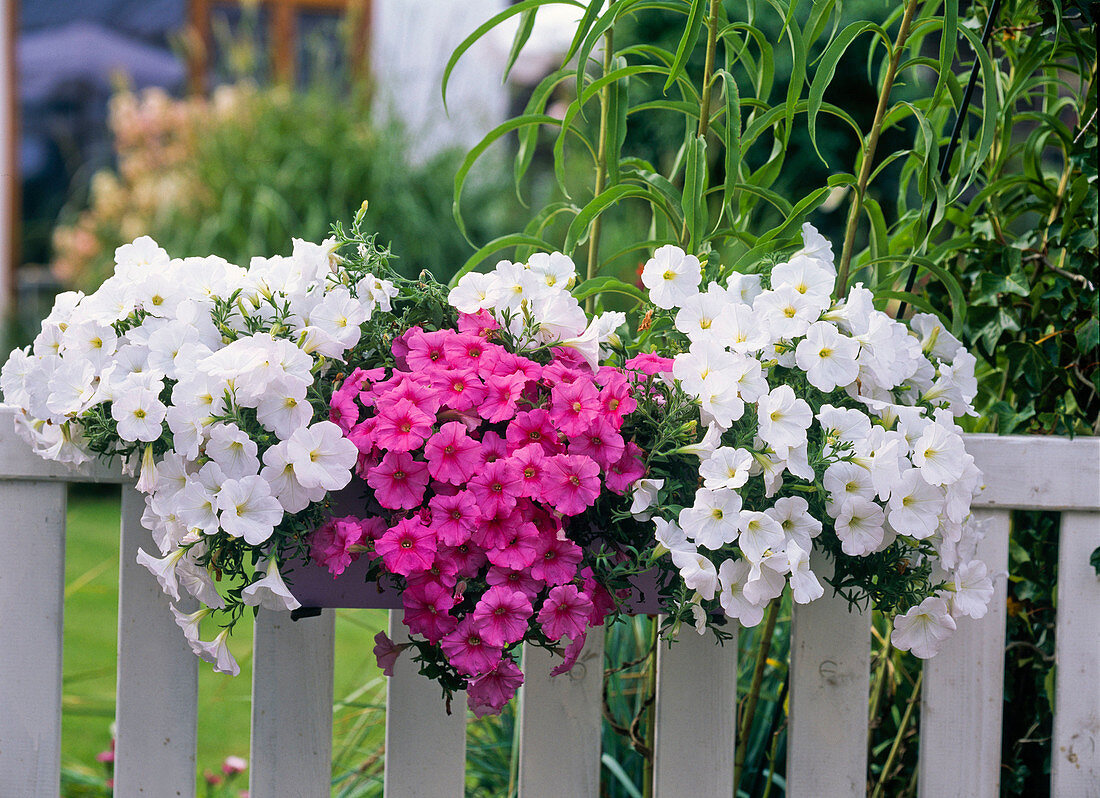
x=91, y=604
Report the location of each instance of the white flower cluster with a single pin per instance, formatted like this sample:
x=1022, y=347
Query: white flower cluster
x=533, y=301
x=890, y=463
x=178, y=347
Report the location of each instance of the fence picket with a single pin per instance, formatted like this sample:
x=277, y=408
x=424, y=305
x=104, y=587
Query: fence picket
x=291, y=747
x=560, y=717
x=1075, y=767
x=695, y=716
x=963, y=693
x=32, y=584
x=157, y=684
x=425, y=747
x=829, y=694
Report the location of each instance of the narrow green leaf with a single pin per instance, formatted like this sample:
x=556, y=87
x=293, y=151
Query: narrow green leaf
x=523, y=33
x=687, y=41
x=731, y=139
x=694, y=201
x=497, y=244
x=578, y=228
x=607, y=285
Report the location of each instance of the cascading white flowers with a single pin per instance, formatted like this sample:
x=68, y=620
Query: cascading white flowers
x=183, y=350
x=809, y=397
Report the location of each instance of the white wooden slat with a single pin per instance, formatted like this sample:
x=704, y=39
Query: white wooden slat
x=157, y=685
x=18, y=461
x=560, y=720
x=1075, y=757
x=425, y=747
x=1037, y=473
x=291, y=744
x=829, y=694
x=32, y=584
x=963, y=693
x=696, y=716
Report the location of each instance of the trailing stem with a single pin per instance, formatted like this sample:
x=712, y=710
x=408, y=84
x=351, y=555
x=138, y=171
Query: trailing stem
x=762, y=652
x=601, y=164
x=872, y=145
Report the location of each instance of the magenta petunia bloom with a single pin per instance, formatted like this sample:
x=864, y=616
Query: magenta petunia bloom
x=516, y=580
x=501, y=397
x=601, y=442
x=616, y=396
x=650, y=364
x=518, y=552
x=501, y=615
x=464, y=350
x=626, y=471
x=386, y=651
x=556, y=560
x=496, y=487
x=467, y=558
x=489, y=694
x=362, y=435
x=481, y=323
x=402, y=426
x=572, y=654
x=531, y=461
x=572, y=483
x=467, y=652
x=334, y=544
x=427, y=609
x=602, y=601
x=425, y=349
x=407, y=548
x=565, y=612
x=494, y=532
x=533, y=426
x=398, y=481
x=574, y=406
x=417, y=388
x=453, y=517
x=452, y=455
x=561, y=372
x=459, y=390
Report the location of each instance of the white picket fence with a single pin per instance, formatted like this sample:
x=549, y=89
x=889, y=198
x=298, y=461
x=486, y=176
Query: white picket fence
x=960, y=737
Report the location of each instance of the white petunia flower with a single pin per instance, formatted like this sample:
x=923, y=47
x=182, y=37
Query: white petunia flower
x=805, y=586
x=697, y=571
x=793, y=515
x=644, y=496
x=726, y=468
x=163, y=569
x=713, y=520
x=860, y=526
x=923, y=628
x=672, y=277
x=471, y=294
x=783, y=419
x=139, y=415
x=733, y=574
x=322, y=457
x=973, y=590
x=234, y=452
x=270, y=592
x=248, y=510
x=759, y=534
x=217, y=653
x=915, y=506
x=827, y=357
x=940, y=455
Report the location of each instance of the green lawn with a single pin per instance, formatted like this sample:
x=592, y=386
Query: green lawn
x=91, y=601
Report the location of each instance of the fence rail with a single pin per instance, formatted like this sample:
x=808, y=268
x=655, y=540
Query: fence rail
x=560, y=718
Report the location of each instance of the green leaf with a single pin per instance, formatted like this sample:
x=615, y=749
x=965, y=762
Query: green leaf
x=694, y=201
x=517, y=123
x=481, y=30
x=497, y=244
x=607, y=285
x=731, y=139
x=1094, y=560
x=687, y=41
x=578, y=228
x=523, y=33
x=826, y=68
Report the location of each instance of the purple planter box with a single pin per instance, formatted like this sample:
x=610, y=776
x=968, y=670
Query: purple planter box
x=314, y=586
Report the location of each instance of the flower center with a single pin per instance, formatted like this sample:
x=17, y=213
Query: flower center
x=613, y=404
x=398, y=475
x=577, y=407
x=574, y=479
x=406, y=427
x=449, y=449
x=825, y=353
x=406, y=544
x=789, y=311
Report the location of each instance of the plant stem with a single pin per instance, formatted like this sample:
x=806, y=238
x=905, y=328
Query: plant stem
x=872, y=145
x=601, y=165
x=902, y=727
x=754, y=690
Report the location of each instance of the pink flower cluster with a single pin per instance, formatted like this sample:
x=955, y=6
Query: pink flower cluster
x=479, y=457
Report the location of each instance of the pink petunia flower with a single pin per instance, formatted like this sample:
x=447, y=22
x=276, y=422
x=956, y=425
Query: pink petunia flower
x=518, y=552
x=574, y=406
x=481, y=323
x=496, y=487
x=616, y=397
x=602, y=601
x=414, y=387
x=464, y=350
x=398, y=481
x=501, y=615
x=572, y=483
x=531, y=461
x=556, y=560
x=334, y=543
x=467, y=651
x=454, y=517
x=402, y=426
x=466, y=558
x=425, y=350
x=362, y=435
x=459, y=390
x=601, y=442
x=533, y=426
x=626, y=471
x=572, y=653
x=650, y=364
x=494, y=531
x=427, y=609
x=564, y=612
x=452, y=455
x=407, y=548
x=386, y=652
x=501, y=397
x=488, y=694
x=561, y=372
